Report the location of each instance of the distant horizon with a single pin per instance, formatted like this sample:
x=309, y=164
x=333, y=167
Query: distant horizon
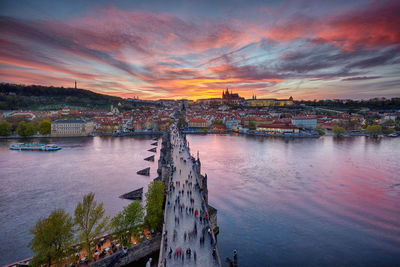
x=177, y=99
x=195, y=49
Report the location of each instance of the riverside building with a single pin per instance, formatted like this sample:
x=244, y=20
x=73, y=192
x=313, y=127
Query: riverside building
x=71, y=127
x=278, y=128
x=269, y=102
x=304, y=122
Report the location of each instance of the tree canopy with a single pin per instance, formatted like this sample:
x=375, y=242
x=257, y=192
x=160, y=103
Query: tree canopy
x=154, y=204
x=19, y=96
x=44, y=127
x=338, y=131
x=52, y=237
x=374, y=130
x=181, y=123
x=374, y=103
x=90, y=220
x=25, y=129
x=252, y=125
x=219, y=122
x=320, y=130
x=123, y=224
x=5, y=128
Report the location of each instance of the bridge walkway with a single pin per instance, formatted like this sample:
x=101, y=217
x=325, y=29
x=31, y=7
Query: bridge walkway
x=187, y=227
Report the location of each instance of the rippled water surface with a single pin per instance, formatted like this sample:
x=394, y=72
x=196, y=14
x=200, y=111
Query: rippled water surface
x=303, y=202
x=32, y=183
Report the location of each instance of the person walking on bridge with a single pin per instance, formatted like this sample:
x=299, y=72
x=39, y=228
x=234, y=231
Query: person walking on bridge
x=148, y=264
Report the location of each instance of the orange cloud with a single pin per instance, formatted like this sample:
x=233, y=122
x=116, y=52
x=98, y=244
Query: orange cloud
x=158, y=55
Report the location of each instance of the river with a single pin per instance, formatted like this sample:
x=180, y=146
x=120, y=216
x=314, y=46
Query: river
x=300, y=202
x=32, y=184
x=304, y=202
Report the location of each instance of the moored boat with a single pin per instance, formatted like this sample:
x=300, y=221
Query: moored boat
x=35, y=147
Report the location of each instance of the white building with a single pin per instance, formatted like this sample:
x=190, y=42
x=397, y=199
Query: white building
x=309, y=123
x=72, y=127
x=233, y=124
x=277, y=128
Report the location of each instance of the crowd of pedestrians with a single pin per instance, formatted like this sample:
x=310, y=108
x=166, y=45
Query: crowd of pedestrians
x=185, y=237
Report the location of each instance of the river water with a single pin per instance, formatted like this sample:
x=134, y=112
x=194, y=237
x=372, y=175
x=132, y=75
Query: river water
x=304, y=202
x=301, y=202
x=32, y=184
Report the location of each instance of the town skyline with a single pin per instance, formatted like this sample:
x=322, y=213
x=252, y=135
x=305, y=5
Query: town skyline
x=186, y=50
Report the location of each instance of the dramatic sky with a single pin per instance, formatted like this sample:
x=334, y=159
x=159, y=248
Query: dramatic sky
x=193, y=49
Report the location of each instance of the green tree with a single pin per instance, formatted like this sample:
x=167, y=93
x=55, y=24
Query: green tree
x=44, y=127
x=320, y=130
x=388, y=122
x=90, y=221
x=154, y=205
x=21, y=128
x=5, y=128
x=374, y=130
x=181, y=123
x=397, y=127
x=219, y=122
x=387, y=130
x=30, y=129
x=52, y=237
x=123, y=224
x=252, y=125
x=338, y=131
x=25, y=129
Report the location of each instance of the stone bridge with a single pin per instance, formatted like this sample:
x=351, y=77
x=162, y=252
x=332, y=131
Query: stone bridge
x=190, y=224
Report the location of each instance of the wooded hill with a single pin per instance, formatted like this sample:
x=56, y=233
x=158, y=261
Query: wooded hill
x=37, y=97
x=348, y=104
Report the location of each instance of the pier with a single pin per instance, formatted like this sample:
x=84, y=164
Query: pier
x=133, y=195
x=153, y=150
x=151, y=158
x=144, y=171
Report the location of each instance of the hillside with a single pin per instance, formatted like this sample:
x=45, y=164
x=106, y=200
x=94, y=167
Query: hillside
x=37, y=97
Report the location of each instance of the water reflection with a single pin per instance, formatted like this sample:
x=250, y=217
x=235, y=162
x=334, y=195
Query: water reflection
x=308, y=202
x=304, y=201
x=33, y=183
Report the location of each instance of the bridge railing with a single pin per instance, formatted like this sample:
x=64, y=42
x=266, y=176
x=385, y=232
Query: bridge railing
x=212, y=232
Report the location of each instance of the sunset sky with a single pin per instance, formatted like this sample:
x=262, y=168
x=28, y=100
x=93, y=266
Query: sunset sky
x=195, y=49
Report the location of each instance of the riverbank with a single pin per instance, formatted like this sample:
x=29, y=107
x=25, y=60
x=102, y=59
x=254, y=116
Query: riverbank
x=157, y=133
x=198, y=132
x=150, y=133
x=303, y=134
x=255, y=133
